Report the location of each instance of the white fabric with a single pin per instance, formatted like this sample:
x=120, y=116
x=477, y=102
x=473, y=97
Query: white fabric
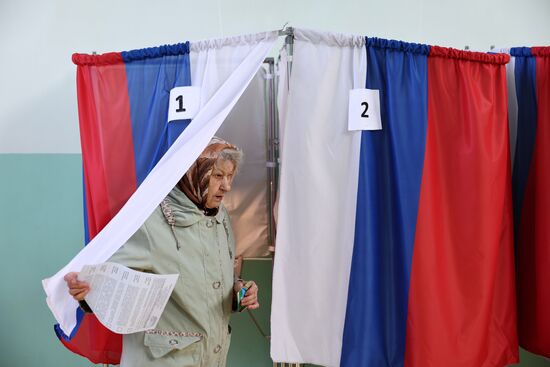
x=512, y=105
x=247, y=201
x=318, y=192
x=220, y=94
x=282, y=93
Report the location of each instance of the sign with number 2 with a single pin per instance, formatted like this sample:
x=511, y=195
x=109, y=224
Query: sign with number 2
x=364, y=110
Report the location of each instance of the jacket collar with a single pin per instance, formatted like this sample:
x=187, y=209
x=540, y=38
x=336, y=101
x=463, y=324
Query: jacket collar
x=185, y=212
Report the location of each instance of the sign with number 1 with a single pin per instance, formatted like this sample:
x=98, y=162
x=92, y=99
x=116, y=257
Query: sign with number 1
x=184, y=103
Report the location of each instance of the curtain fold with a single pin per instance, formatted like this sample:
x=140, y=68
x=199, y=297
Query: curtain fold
x=531, y=180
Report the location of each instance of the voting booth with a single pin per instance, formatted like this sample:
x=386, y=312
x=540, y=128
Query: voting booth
x=377, y=173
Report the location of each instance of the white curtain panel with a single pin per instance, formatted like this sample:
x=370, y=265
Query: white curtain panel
x=247, y=201
x=282, y=92
x=318, y=191
x=223, y=68
x=512, y=104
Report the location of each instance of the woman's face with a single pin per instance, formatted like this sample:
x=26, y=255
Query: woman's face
x=220, y=182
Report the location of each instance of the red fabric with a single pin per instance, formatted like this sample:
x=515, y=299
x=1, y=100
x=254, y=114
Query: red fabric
x=453, y=53
x=95, y=342
x=540, y=51
x=104, y=59
x=534, y=232
x=462, y=296
x=106, y=134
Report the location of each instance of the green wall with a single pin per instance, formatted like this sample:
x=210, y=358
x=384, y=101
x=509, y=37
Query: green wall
x=41, y=230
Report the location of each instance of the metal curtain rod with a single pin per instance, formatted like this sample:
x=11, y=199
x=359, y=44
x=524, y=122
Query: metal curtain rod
x=286, y=31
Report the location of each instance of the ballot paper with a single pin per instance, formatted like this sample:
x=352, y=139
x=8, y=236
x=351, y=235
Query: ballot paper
x=124, y=300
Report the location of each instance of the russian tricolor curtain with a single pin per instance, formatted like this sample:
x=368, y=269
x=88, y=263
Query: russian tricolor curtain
x=123, y=104
x=395, y=247
x=132, y=155
x=530, y=74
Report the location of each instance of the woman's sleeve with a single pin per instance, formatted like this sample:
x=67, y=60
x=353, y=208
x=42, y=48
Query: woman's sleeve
x=136, y=252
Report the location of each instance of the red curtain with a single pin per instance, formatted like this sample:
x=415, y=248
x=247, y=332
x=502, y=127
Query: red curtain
x=462, y=295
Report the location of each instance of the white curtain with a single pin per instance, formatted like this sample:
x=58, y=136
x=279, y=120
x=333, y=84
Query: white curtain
x=223, y=68
x=318, y=190
x=282, y=92
x=512, y=103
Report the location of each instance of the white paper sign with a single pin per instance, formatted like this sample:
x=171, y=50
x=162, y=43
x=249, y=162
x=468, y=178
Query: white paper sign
x=184, y=103
x=124, y=300
x=364, y=110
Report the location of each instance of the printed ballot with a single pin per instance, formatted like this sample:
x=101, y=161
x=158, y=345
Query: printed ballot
x=124, y=300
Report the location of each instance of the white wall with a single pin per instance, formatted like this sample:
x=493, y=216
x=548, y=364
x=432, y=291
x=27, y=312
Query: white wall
x=38, y=111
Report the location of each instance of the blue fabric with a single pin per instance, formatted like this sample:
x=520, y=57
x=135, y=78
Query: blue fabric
x=149, y=83
x=390, y=174
x=526, y=91
x=520, y=52
x=154, y=52
x=395, y=45
x=61, y=335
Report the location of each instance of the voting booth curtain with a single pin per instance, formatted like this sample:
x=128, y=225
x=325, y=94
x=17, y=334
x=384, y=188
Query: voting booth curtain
x=133, y=156
x=398, y=243
x=529, y=79
x=395, y=245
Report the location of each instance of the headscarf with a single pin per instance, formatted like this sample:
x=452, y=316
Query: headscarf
x=195, y=181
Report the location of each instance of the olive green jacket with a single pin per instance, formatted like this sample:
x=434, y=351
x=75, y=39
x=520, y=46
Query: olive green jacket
x=193, y=329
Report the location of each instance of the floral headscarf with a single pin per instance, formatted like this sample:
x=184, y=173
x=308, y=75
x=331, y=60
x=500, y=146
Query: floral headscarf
x=195, y=181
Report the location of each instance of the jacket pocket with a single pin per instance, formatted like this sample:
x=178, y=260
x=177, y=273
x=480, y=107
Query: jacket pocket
x=160, y=345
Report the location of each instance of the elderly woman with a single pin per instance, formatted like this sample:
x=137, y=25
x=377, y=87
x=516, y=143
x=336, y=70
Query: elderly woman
x=189, y=233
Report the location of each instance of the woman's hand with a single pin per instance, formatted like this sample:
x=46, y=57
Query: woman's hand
x=250, y=300
x=77, y=289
